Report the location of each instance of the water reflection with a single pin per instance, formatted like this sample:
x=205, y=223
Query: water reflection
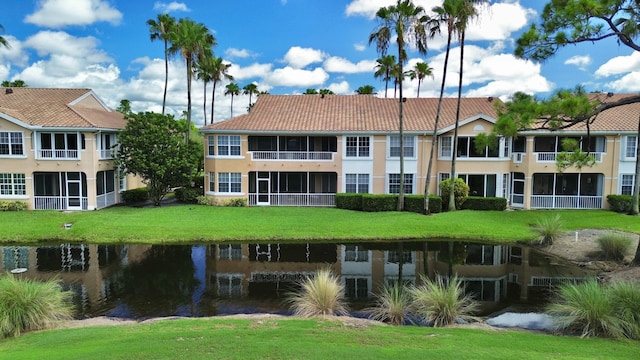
x=140, y=281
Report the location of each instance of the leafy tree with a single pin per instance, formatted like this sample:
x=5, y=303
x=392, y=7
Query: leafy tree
x=124, y=107
x=250, y=89
x=220, y=72
x=420, y=71
x=234, y=90
x=407, y=21
x=310, y=92
x=160, y=29
x=365, y=90
x=383, y=70
x=325, y=92
x=14, y=83
x=152, y=147
x=194, y=42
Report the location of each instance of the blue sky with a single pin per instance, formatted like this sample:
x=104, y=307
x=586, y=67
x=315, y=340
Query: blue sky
x=283, y=46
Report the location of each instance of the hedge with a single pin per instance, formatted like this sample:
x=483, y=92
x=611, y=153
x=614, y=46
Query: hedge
x=415, y=203
x=484, y=203
x=379, y=202
x=135, y=195
x=349, y=201
x=386, y=202
x=620, y=203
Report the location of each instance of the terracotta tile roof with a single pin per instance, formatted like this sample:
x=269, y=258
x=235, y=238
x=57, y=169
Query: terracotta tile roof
x=349, y=113
x=50, y=107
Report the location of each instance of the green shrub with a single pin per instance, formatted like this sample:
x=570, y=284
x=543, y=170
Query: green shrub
x=379, y=202
x=13, y=206
x=349, y=201
x=320, y=294
x=620, y=203
x=198, y=182
x=135, y=195
x=391, y=304
x=485, y=203
x=239, y=202
x=614, y=246
x=188, y=195
x=461, y=191
x=548, y=229
x=440, y=302
x=27, y=305
x=415, y=203
x=626, y=301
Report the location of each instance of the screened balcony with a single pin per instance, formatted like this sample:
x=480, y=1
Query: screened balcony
x=293, y=148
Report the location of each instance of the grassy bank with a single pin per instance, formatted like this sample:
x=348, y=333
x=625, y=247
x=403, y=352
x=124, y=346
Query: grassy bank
x=201, y=224
x=296, y=338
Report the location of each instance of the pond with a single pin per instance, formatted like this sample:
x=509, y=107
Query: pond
x=143, y=281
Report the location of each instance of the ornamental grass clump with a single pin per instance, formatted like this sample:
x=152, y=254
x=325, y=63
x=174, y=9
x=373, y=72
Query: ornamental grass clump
x=548, y=229
x=614, y=246
x=391, y=304
x=626, y=301
x=321, y=294
x=27, y=305
x=442, y=302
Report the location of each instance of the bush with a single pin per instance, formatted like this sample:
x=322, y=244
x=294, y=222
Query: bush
x=485, y=203
x=13, y=206
x=188, y=195
x=415, y=203
x=376, y=203
x=548, y=229
x=239, y=202
x=349, y=201
x=614, y=246
x=626, y=301
x=461, y=191
x=320, y=294
x=27, y=305
x=620, y=203
x=442, y=303
x=135, y=195
x=391, y=304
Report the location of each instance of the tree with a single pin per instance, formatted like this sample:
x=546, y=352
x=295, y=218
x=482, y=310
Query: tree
x=204, y=69
x=160, y=29
x=14, y=83
x=420, y=71
x=310, y=92
x=407, y=21
x=125, y=107
x=365, y=90
x=220, y=72
x=152, y=147
x=3, y=41
x=383, y=70
x=325, y=92
x=234, y=90
x=194, y=42
x=250, y=89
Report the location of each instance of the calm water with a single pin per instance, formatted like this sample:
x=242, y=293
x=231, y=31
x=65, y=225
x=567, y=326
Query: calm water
x=141, y=281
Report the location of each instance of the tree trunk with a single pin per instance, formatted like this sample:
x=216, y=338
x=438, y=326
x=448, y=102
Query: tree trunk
x=401, y=128
x=636, y=187
x=636, y=258
x=452, y=195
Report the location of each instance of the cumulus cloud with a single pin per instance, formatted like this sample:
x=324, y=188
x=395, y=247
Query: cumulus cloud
x=14, y=54
x=289, y=76
x=628, y=83
x=61, y=13
x=340, y=88
x=580, y=61
x=359, y=47
x=298, y=57
x=234, y=53
x=619, y=65
x=341, y=65
x=173, y=6
x=254, y=70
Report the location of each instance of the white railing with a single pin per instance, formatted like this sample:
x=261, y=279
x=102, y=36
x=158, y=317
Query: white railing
x=551, y=156
x=105, y=200
x=58, y=154
x=107, y=153
x=297, y=199
x=291, y=155
x=554, y=281
x=517, y=200
x=55, y=203
x=566, y=202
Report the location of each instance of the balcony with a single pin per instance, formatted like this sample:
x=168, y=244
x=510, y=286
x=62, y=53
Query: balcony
x=292, y=155
x=551, y=156
x=565, y=202
x=308, y=199
x=56, y=203
x=107, y=154
x=58, y=154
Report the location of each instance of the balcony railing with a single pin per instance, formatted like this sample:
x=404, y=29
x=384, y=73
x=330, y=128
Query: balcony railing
x=566, y=202
x=55, y=203
x=551, y=156
x=296, y=199
x=58, y=154
x=292, y=155
x=107, y=153
x=105, y=200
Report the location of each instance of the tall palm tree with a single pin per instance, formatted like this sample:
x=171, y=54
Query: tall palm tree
x=420, y=71
x=250, y=89
x=383, y=70
x=3, y=41
x=194, y=42
x=160, y=29
x=232, y=89
x=204, y=71
x=408, y=22
x=365, y=90
x=220, y=72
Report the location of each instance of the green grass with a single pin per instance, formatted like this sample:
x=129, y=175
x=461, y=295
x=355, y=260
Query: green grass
x=298, y=338
x=203, y=224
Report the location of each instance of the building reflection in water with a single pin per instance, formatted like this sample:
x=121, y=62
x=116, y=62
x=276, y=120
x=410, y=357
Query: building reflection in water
x=139, y=281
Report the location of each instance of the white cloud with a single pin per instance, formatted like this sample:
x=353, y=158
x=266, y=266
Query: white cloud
x=499, y=21
x=234, y=53
x=628, y=83
x=61, y=13
x=341, y=65
x=298, y=57
x=360, y=47
x=170, y=7
x=51, y=43
x=619, y=65
x=15, y=53
x=368, y=8
x=580, y=61
x=289, y=76
x=340, y=88
x=248, y=72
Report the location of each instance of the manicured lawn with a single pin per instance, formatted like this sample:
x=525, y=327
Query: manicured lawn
x=206, y=224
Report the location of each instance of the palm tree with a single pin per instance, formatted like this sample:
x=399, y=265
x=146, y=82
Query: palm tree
x=250, y=89
x=3, y=41
x=310, y=91
x=204, y=71
x=14, y=83
x=232, y=89
x=408, y=23
x=325, y=92
x=194, y=42
x=383, y=70
x=420, y=71
x=159, y=30
x=220, y=72
x=365, y=90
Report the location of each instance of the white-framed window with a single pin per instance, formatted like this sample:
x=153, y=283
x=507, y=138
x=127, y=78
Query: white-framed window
x=442, y=177
x=356, y=287
x=630, y=146
x=230, y=252
x=211, y=145
x=393, y=256
x=228, y=285
x=394, y=183
x=484, y=289
x=444, y=146
x=106, y=143
x=355, y=253
x=394, y=146
x=357, y=183
x=358, y=146
x=467, y=149
x=626, y=184
x=229, y=182
x=11, y=143
x=228, y=145
x=212, y=181
x=13, y=184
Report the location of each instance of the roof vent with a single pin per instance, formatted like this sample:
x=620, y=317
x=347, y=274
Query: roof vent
x=609, y=94
x=8, y=91
x=490, y=98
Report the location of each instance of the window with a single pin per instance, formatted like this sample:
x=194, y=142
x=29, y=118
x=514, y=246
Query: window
x=105, y=182
x=229, y=285
x=394, y=183
x=211, y=147
x=228, y=145
x=357, y=146
x=229, y=182
x=393, y=256
x=394, y=146
x=483, y=289
x=357, y=183
x=12, y=184
x=106, y=143
x=61, y=145
x=630, y=147
x=212, y=182
x=467, y=148
x=355, y=253
x=230, y=252
x=356, y=287
x=11, y=143
x=480, y=185
x=626, y=184
x=445, y=146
